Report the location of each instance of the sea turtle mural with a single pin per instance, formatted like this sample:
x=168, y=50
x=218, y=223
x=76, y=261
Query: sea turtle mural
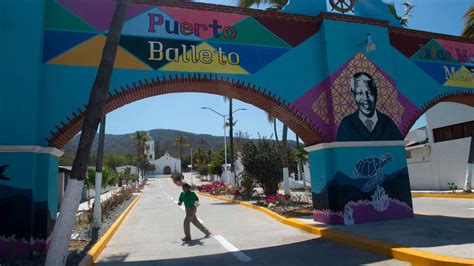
x=371, y=168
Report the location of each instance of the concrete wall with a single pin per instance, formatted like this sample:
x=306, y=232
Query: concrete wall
x=445, y=161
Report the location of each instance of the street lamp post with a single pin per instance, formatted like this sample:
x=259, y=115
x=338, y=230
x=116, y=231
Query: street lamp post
x=191, y=166
x=225, y=136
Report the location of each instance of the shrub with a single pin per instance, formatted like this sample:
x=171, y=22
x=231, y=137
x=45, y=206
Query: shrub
x=177, y=178
x=203, y=170
x=262, y=162
x=453, y=187
x=248, y=184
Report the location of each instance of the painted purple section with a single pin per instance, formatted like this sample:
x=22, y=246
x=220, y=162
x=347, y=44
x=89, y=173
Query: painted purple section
x=305, y=102
x=11, y=247
x=99, y=13
x=328, y=217
x=364, y=212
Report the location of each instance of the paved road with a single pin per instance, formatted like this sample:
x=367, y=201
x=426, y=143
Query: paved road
x=151, y=235
x=463, y=208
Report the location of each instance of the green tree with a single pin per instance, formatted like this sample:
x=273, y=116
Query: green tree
x=182, y=142
x=109, y=178
x=262, y=161
x=128, y=176
x=59, y=246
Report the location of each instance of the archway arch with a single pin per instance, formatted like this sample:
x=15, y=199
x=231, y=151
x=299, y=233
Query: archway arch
x=462, y=98
x=200, y=83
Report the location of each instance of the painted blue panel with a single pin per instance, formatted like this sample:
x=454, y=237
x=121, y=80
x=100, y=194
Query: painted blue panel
x=340, y=50
x=253, y=58
x=326, y=163
x=20, y=55
x=294, y=73
x=436, y=70
x=412, y=81
x=57, y=42
x=305, y=7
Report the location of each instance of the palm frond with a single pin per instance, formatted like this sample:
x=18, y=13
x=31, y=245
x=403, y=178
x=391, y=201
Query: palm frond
x=469, y=23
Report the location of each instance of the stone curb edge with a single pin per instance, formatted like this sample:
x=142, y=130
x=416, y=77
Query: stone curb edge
x=94, y=253
x=429, y=195
x=414, y=256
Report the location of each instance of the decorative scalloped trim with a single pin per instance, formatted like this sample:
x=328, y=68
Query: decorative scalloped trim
x=195, y=82
x=463, y=96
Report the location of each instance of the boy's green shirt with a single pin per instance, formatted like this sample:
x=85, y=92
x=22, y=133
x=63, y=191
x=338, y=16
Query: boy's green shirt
x=188, y=197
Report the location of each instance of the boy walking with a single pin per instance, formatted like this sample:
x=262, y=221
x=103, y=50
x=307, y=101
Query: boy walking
x=191, y=201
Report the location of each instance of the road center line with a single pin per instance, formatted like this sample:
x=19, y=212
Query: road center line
x=232, y=249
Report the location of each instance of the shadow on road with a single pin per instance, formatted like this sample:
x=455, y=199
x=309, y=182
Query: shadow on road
x=316, y=251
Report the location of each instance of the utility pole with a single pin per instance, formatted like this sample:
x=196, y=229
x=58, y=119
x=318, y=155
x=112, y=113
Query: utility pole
x=98, y=180
x=191, y=166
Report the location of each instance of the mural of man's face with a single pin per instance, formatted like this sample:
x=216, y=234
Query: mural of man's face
x=364, y=98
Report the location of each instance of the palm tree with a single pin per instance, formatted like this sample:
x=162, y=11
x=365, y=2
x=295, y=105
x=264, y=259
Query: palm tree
x=302, y=158
x=469, y=33
x=140, y=139
x=273, y=4
x=283, y=147
x=273, y=120
x=182, y=142
x=61, y=235
x=469, y=23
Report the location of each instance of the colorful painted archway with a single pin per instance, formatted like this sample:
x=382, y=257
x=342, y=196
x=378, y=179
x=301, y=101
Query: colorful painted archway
x=351, y=98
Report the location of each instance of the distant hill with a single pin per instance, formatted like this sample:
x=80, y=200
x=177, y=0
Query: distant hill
x=164, y=139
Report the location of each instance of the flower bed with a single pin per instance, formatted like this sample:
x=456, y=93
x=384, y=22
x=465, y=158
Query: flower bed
x=296, y=205
x=219, y=188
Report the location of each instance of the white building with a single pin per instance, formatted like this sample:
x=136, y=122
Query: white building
x=121, y=169
x=438, y=153
x=150, y=149
x=166, y=165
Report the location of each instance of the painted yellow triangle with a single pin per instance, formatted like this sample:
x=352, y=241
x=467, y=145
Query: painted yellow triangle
x=462, y=78
x=212, y=67
x=89, y=53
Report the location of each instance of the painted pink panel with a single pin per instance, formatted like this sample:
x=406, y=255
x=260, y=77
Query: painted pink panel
x=99, y=13
x=202, y=17
x=466, y=49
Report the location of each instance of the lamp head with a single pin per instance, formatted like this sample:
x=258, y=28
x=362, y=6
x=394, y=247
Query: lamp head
x=370, y=44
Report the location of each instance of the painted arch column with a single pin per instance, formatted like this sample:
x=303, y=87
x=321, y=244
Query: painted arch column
x=359, y=182
x=28, y=190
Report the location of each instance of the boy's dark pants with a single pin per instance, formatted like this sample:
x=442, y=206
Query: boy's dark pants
x=191, y=218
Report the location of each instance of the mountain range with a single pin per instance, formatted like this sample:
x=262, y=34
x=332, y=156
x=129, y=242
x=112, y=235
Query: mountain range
x=164, y=142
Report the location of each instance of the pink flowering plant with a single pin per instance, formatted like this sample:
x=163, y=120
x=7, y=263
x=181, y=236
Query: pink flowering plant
x=277, y=200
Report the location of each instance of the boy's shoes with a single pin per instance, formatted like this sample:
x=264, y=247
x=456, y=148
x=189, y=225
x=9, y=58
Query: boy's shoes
x=207, y=235
x=186, y=239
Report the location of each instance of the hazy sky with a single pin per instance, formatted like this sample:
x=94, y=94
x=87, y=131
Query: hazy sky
x=182, y=111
